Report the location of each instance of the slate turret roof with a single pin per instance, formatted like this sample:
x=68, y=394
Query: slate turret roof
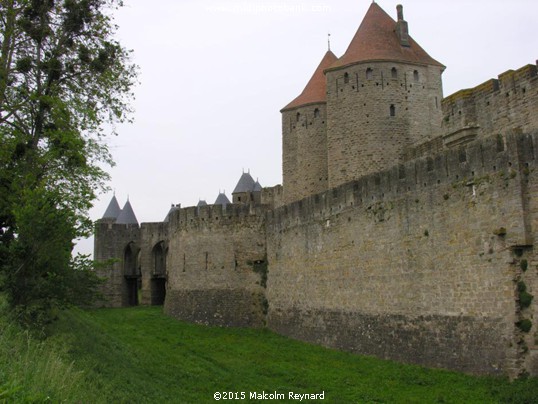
x=172, y=209
x=222, y=199
x=376, y=40
x=113, y=210
x=201, y=202
x=246, y=184
x=316, y=88
x=127, y=215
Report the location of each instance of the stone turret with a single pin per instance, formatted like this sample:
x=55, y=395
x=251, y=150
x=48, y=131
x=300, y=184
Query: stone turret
x=247, y=190
x=127, y=215
x=222, y=199
x=383, y=95
x=304, y=137
x=116, y=242
x=113, y=210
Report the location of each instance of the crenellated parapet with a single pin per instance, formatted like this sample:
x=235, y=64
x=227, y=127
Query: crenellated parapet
x=508, y=103
x=502, y=156
x=211, y=216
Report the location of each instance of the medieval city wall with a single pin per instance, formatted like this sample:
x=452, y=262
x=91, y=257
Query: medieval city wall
x=217, y=265
x=374, y=111
x=419, y=263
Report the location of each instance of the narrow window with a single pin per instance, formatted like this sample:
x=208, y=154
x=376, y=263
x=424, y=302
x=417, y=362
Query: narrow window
x=392, y=110
x=394, y=73
x=346, y=78
x=298, y=116
x=415, y=75
x=316, y=113
x=369, y=73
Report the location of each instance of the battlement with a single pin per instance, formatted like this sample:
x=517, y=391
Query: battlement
x=206, y=216
x=509, y=80
x=506, y=103
x=506, y=156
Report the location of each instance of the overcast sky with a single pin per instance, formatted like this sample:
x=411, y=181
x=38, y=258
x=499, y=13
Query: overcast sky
x=215, y=74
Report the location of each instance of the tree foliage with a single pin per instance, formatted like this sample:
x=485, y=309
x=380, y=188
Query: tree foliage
x=64, y=82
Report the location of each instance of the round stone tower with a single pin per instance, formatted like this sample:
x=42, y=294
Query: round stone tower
x=304, y=138
x=383, y=95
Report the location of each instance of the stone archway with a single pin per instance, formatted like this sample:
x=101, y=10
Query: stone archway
x=158, y=278
x=132, y=274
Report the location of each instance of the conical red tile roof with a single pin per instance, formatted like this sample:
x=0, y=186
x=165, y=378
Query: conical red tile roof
x=316, y=89
x=376, y=39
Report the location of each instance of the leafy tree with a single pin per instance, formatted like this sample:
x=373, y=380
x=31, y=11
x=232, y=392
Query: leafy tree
x=64, y=82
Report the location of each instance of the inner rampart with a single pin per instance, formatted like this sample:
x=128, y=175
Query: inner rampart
x=496, y=106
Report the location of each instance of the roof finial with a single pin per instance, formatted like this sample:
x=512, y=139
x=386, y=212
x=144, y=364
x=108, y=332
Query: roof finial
x=329, y=40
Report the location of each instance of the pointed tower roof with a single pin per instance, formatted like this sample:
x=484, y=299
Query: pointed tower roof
x=127, y=215
x=246, y=184
x=377, y=39
x=173, y=208
x=113, y=210
x=222, y=199
x=316, y=88
x=257, y=187
x=201, y=202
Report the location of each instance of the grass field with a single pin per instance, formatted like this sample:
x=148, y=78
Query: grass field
x=140, y=355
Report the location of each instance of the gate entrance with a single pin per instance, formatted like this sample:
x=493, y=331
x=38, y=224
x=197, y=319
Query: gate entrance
x=158, y=291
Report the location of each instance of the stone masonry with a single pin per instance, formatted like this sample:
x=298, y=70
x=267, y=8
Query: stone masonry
x=404, y=228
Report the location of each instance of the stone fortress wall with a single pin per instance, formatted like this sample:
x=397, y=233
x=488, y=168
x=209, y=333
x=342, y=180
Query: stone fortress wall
x=217, y=265
x=428, y=258
x=418, y=263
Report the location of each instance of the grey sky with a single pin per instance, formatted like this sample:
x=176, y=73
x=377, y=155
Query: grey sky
x=214, y=75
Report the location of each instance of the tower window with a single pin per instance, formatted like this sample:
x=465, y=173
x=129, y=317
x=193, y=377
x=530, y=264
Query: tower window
x=415, y=75
x=394, y=73
x=392, y=110
x=298, y=116
x=369, y=74
x=316, y=113
x=346, y=78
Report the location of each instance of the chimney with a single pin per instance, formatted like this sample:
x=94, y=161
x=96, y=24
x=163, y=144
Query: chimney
x=401, y=27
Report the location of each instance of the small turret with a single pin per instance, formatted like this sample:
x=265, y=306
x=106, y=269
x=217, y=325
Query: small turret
x=127, y=215
x=113, y=210
x=222, y=199
x=247, y=190
x=173, y=208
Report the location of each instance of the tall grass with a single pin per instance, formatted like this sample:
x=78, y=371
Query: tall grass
x=34, y=370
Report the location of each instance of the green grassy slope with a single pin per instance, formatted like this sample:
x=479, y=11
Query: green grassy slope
x=140, y=355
